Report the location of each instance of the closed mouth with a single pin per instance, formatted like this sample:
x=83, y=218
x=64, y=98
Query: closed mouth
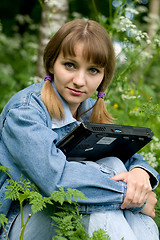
x=75, y=91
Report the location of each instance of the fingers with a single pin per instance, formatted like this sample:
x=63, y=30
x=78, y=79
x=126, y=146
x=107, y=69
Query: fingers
x=138, y=187
x=120, y=177
x=141, y=193
x=149, y=208
x=137, y=193
x=134, y=199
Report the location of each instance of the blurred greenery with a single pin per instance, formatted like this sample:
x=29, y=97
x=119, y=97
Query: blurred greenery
x=132, y=98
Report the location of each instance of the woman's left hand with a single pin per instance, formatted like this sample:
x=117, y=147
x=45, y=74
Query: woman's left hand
x=138, y=187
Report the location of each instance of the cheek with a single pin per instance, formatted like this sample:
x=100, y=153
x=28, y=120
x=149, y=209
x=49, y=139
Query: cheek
x=93, y=88
x=95, y=84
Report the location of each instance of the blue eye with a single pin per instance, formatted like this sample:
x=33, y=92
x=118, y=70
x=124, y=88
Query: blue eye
x=69, y=65
x=93, y=71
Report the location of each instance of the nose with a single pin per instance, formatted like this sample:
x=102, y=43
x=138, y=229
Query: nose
x=79, y=78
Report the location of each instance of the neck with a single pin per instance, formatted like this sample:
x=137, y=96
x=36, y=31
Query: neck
x=74, y=111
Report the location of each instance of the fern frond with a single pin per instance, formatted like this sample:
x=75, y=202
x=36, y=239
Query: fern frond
x=59, y=238
x=74, y=194
x=62, y=196
x=37, y=201
x=13, y=190
x=5, y=170
x=3, y=219
x=100, y=235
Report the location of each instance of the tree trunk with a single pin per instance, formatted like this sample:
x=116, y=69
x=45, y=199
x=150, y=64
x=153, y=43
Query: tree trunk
x=54, y=15
x=154, y=9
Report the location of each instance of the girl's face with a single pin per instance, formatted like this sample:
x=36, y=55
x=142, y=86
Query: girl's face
x=75, y=78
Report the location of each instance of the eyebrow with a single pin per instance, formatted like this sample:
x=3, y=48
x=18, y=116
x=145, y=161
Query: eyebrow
x=74, y=61
x=69, y=59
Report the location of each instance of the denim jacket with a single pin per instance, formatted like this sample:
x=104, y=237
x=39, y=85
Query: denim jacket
x=28, y=138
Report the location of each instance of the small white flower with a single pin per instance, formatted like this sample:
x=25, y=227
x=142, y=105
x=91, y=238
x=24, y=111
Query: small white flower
x=158, y=118
x=142, y=9
x=146, y=55
x=151, y=159
x=136, y=112
x=35, y=79
x=133, y=26
x=145, y=34
x=148, y=41
x=123, y=29
x=157, y=41
x=138, y=38
x=34, y=58
x=155, y=139
x=132, y=10
x=133, y=32
x=123, y=96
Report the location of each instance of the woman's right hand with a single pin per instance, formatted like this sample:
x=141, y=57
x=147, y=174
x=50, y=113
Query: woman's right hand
x=149, y=208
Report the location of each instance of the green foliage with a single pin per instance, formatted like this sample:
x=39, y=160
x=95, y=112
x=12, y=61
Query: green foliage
x=69, y=226
x=100, y=235
x=3, y=219
x=132, y=98
x=19, y=190
x=5, y=170
x=68, y=221
x=18, y=56
x=62, y=196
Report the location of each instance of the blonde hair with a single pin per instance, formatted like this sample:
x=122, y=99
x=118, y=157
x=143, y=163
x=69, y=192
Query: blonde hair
x=98, y=48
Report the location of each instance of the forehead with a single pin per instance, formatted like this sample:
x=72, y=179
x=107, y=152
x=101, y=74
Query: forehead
x=90, y=51
x=79, y=53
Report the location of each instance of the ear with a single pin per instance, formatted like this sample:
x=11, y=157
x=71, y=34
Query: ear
x=51, y=70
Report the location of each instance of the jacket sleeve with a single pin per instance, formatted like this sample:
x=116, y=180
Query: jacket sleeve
x=137, y=161
x=31, y=146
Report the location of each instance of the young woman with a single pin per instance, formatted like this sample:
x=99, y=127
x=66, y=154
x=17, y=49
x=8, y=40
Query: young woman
x=79, y=60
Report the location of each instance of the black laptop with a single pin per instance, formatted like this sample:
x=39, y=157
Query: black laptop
x=93, y=141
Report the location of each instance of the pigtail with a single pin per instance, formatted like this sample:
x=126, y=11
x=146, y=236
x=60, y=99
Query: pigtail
x=52, y=101
x=100, y=114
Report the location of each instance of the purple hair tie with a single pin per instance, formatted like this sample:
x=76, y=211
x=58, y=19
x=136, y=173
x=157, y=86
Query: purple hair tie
x=48, y=78
x=101, y=95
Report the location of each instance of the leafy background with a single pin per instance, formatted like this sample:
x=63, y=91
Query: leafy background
x=133, y=96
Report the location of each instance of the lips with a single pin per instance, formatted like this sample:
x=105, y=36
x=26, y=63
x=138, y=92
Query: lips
x=75, y=92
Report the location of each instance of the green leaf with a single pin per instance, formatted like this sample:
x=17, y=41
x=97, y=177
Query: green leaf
x=59, y=238
x=74, y=193
x=5, y=169
x=62, y=196
x=37, y=201
x=100, y=235
x=3, y=219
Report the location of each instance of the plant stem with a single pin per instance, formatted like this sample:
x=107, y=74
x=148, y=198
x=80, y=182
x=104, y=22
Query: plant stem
x=41, y=3
x=5, y=233
x=95, y=9
x=119, y=12
x=130, y=65
x=23, y=228
x=110, y=11
x=152, y=61
x=21, y=210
